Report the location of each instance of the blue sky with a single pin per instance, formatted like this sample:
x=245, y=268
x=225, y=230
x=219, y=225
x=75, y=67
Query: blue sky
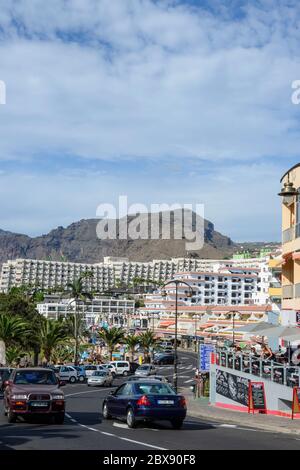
x=164, y=101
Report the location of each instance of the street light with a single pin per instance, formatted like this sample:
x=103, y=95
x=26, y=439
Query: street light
x=177, y=282
x=233, y=313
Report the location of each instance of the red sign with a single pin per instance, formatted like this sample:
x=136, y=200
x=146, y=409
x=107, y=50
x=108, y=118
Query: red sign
x=296, y=400
x=257, y=397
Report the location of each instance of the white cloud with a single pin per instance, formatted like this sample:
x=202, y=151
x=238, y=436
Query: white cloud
x=172, y=81
x=121, y=79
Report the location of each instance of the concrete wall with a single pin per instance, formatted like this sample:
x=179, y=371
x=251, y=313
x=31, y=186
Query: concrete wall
x=278, y=397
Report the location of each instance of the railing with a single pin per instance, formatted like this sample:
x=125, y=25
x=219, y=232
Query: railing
x=288, y=235
x=278, y=372
x=288, y=291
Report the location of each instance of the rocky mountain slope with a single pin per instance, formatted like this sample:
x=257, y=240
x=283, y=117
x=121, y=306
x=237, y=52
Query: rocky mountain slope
x=79, y=243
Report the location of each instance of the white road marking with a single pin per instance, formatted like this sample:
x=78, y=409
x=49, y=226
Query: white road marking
x=115, y=435
x=188, y=381
x=121, y=425
x=142, y=443
x=89, y=391
x=233, y=426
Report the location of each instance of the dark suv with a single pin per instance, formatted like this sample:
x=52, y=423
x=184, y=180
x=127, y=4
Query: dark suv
x=34, y=391
x=164, y=359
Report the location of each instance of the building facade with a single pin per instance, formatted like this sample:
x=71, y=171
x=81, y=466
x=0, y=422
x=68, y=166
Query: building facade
x=291, y=246
x=113, y=272
x=99, y=311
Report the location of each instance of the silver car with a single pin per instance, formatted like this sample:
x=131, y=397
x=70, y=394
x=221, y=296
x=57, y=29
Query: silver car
x=145, y=370
x=100, y=378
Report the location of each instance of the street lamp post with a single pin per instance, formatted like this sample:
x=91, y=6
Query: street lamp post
x=233, y=312
x=177, y=282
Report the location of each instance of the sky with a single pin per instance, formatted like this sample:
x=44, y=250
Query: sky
x=164, y=101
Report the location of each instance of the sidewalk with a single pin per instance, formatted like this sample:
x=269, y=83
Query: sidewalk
x=200, y=408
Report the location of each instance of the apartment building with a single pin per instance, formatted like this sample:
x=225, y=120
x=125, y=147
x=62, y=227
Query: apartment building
x=290, y=194
x=98, y=311
x=115, y=271
x=52, y=274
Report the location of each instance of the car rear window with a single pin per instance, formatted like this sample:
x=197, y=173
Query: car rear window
x=153, y=389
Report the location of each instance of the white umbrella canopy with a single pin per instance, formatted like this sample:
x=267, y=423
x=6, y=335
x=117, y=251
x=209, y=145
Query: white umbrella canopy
x=291, y=338
x=255, y=327
x=280, y=331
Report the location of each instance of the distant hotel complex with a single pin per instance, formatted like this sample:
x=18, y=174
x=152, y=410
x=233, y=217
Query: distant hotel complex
x=214, y=282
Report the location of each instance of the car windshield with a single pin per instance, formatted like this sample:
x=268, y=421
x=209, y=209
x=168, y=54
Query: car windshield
x=153, y=389
x=144, y=368
x=99, y=373
x=35, y=377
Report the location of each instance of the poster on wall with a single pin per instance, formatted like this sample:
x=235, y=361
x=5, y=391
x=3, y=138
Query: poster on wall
x=232, y=386
x=205, y=351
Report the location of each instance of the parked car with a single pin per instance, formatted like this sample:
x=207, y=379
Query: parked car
x=145, y=401
x=145, y=370
x=89, y=369
x=33, y=391
x=121, y=367
x=81, y=373
x=166, y=344
x=68, y=374
x=100, y=377
x=164, y=359
x=111, y=368
x=135, y=378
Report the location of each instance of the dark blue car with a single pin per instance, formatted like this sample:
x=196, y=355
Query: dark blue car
x=145, y=401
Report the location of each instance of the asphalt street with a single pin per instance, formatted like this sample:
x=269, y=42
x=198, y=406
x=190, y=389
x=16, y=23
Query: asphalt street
x=85, y=429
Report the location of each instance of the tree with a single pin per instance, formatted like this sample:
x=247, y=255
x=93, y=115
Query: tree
x=21, y=302
x=77, y=293
x=147, y=340
x=52, y=334
x=132, y=341
x=14, y=354
x=111, y=338
x=12, y=331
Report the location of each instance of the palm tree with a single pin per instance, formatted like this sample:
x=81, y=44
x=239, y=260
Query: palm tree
x=147, y=340
x=78, y=294
x=12, y=330
x=111, y=338
x=132, y=341
x=52, y=334
x=14, y=355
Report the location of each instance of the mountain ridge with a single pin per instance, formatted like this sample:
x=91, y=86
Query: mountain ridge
x=78, y=242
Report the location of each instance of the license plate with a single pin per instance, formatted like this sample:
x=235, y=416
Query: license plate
x=165, y=402
x=39, y=404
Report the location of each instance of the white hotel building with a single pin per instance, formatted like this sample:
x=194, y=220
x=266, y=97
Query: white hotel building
x=98, y=311
x=217, y=282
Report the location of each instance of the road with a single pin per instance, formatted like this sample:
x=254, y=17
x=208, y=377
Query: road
x=84, y=428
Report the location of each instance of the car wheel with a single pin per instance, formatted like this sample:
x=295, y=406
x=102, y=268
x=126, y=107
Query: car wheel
x=130, y=418
x=125, y=373
x=59, y=418
x=81, y=378
x=105, y=412
x=11, y=417
x=177, y=423
x=72, y=380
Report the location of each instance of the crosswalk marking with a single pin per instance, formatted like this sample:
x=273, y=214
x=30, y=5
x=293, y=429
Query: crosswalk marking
x=188, y=381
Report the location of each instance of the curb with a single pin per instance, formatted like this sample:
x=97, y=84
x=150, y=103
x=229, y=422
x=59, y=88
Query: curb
x=205, y=414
